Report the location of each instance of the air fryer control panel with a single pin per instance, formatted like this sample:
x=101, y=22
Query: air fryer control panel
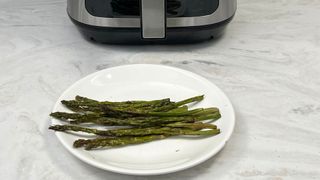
x=131, y=8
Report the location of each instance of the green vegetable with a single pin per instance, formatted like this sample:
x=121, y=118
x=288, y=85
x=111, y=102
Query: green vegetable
x=136, y=121
x=114, y=142
x=166, y=129
x=82, y=104
x=122, y=141
x=144, y=121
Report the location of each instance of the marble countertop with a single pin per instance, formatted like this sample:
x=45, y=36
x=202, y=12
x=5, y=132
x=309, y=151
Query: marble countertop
x=268, y=63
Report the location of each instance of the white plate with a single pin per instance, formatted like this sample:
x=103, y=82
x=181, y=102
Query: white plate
x=147, y=82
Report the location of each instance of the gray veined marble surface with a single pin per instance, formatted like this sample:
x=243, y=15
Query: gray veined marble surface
x=268, y=63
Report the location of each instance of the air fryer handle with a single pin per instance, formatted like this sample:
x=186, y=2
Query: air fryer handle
x=153, y=19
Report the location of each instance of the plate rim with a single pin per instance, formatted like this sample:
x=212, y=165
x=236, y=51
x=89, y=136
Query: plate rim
x=161, y=171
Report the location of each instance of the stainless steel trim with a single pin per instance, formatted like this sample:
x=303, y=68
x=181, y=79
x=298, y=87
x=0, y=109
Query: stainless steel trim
x=78, y=11
x=153, y=16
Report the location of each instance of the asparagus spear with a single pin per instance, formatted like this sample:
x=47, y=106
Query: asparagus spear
x=169, y=128
x=180, y=103
x=88, y=100
x=122, y=141
x=154, y=122
x=114, y=142
x=85, y=104
x=114, y=132
x=125, y=115
x=207, y=114
x=106, y=108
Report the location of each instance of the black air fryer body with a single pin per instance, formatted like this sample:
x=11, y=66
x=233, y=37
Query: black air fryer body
x=151, y=21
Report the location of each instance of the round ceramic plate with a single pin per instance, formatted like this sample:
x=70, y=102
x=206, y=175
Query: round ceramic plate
x=148, y=82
